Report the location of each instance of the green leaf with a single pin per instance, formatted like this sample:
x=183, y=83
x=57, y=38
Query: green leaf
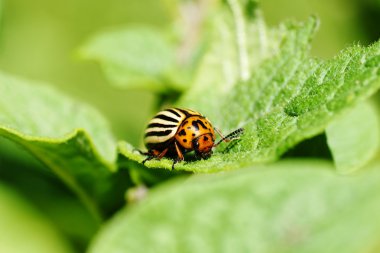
x=47, y=193
x=70, y=138
x=240, y=43
x=23, y=229
x=160, y=60
x=353, y=138
x=133, y=57
x=293, y=206
x=265, y=81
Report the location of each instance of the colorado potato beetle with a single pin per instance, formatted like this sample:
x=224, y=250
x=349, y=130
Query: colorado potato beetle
x=173, y=132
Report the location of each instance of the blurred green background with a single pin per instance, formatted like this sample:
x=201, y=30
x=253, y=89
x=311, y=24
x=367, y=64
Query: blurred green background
x=40, y=40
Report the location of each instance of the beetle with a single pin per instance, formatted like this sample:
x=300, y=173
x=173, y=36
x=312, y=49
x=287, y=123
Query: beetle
x=173, y=132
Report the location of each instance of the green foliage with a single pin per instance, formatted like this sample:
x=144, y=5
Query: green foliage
x=238, y=72
x=51, y=127
x=292, y=206
x=284, y=96
x=354, y=137
x=24, y=229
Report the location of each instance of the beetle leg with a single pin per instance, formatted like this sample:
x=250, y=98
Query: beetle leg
x=180, y=155
x=162, y=154
x=159, y=156
x=174, y=162
x=147, y=159
x=141, y=152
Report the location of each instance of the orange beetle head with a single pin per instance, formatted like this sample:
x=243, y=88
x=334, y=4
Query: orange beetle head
x=203, y=145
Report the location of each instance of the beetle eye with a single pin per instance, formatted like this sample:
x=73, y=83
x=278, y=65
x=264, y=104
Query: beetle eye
x=196, y=144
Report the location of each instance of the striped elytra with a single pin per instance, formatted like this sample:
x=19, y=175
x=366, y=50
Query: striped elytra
x=164, y=125
x=173, y=132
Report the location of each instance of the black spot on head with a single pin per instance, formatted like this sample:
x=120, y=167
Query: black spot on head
x=184, y=140
x=188, y=127
x=193, y=134
x=205, y=138
x=182, y=132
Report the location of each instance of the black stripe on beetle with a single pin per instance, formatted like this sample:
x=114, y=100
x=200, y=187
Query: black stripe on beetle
x=186, y=112
x=151, y=125
x=167, y=118
x=174, y=129
x=158, y=133
x=174, y=112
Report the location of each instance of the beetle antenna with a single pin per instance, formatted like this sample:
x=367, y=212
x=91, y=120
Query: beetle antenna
x=231, y=136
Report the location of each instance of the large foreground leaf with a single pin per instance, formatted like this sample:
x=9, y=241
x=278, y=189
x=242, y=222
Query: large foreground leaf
x=291, y=206
x=265, y=81
x=70, y=138
x=23, y=229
